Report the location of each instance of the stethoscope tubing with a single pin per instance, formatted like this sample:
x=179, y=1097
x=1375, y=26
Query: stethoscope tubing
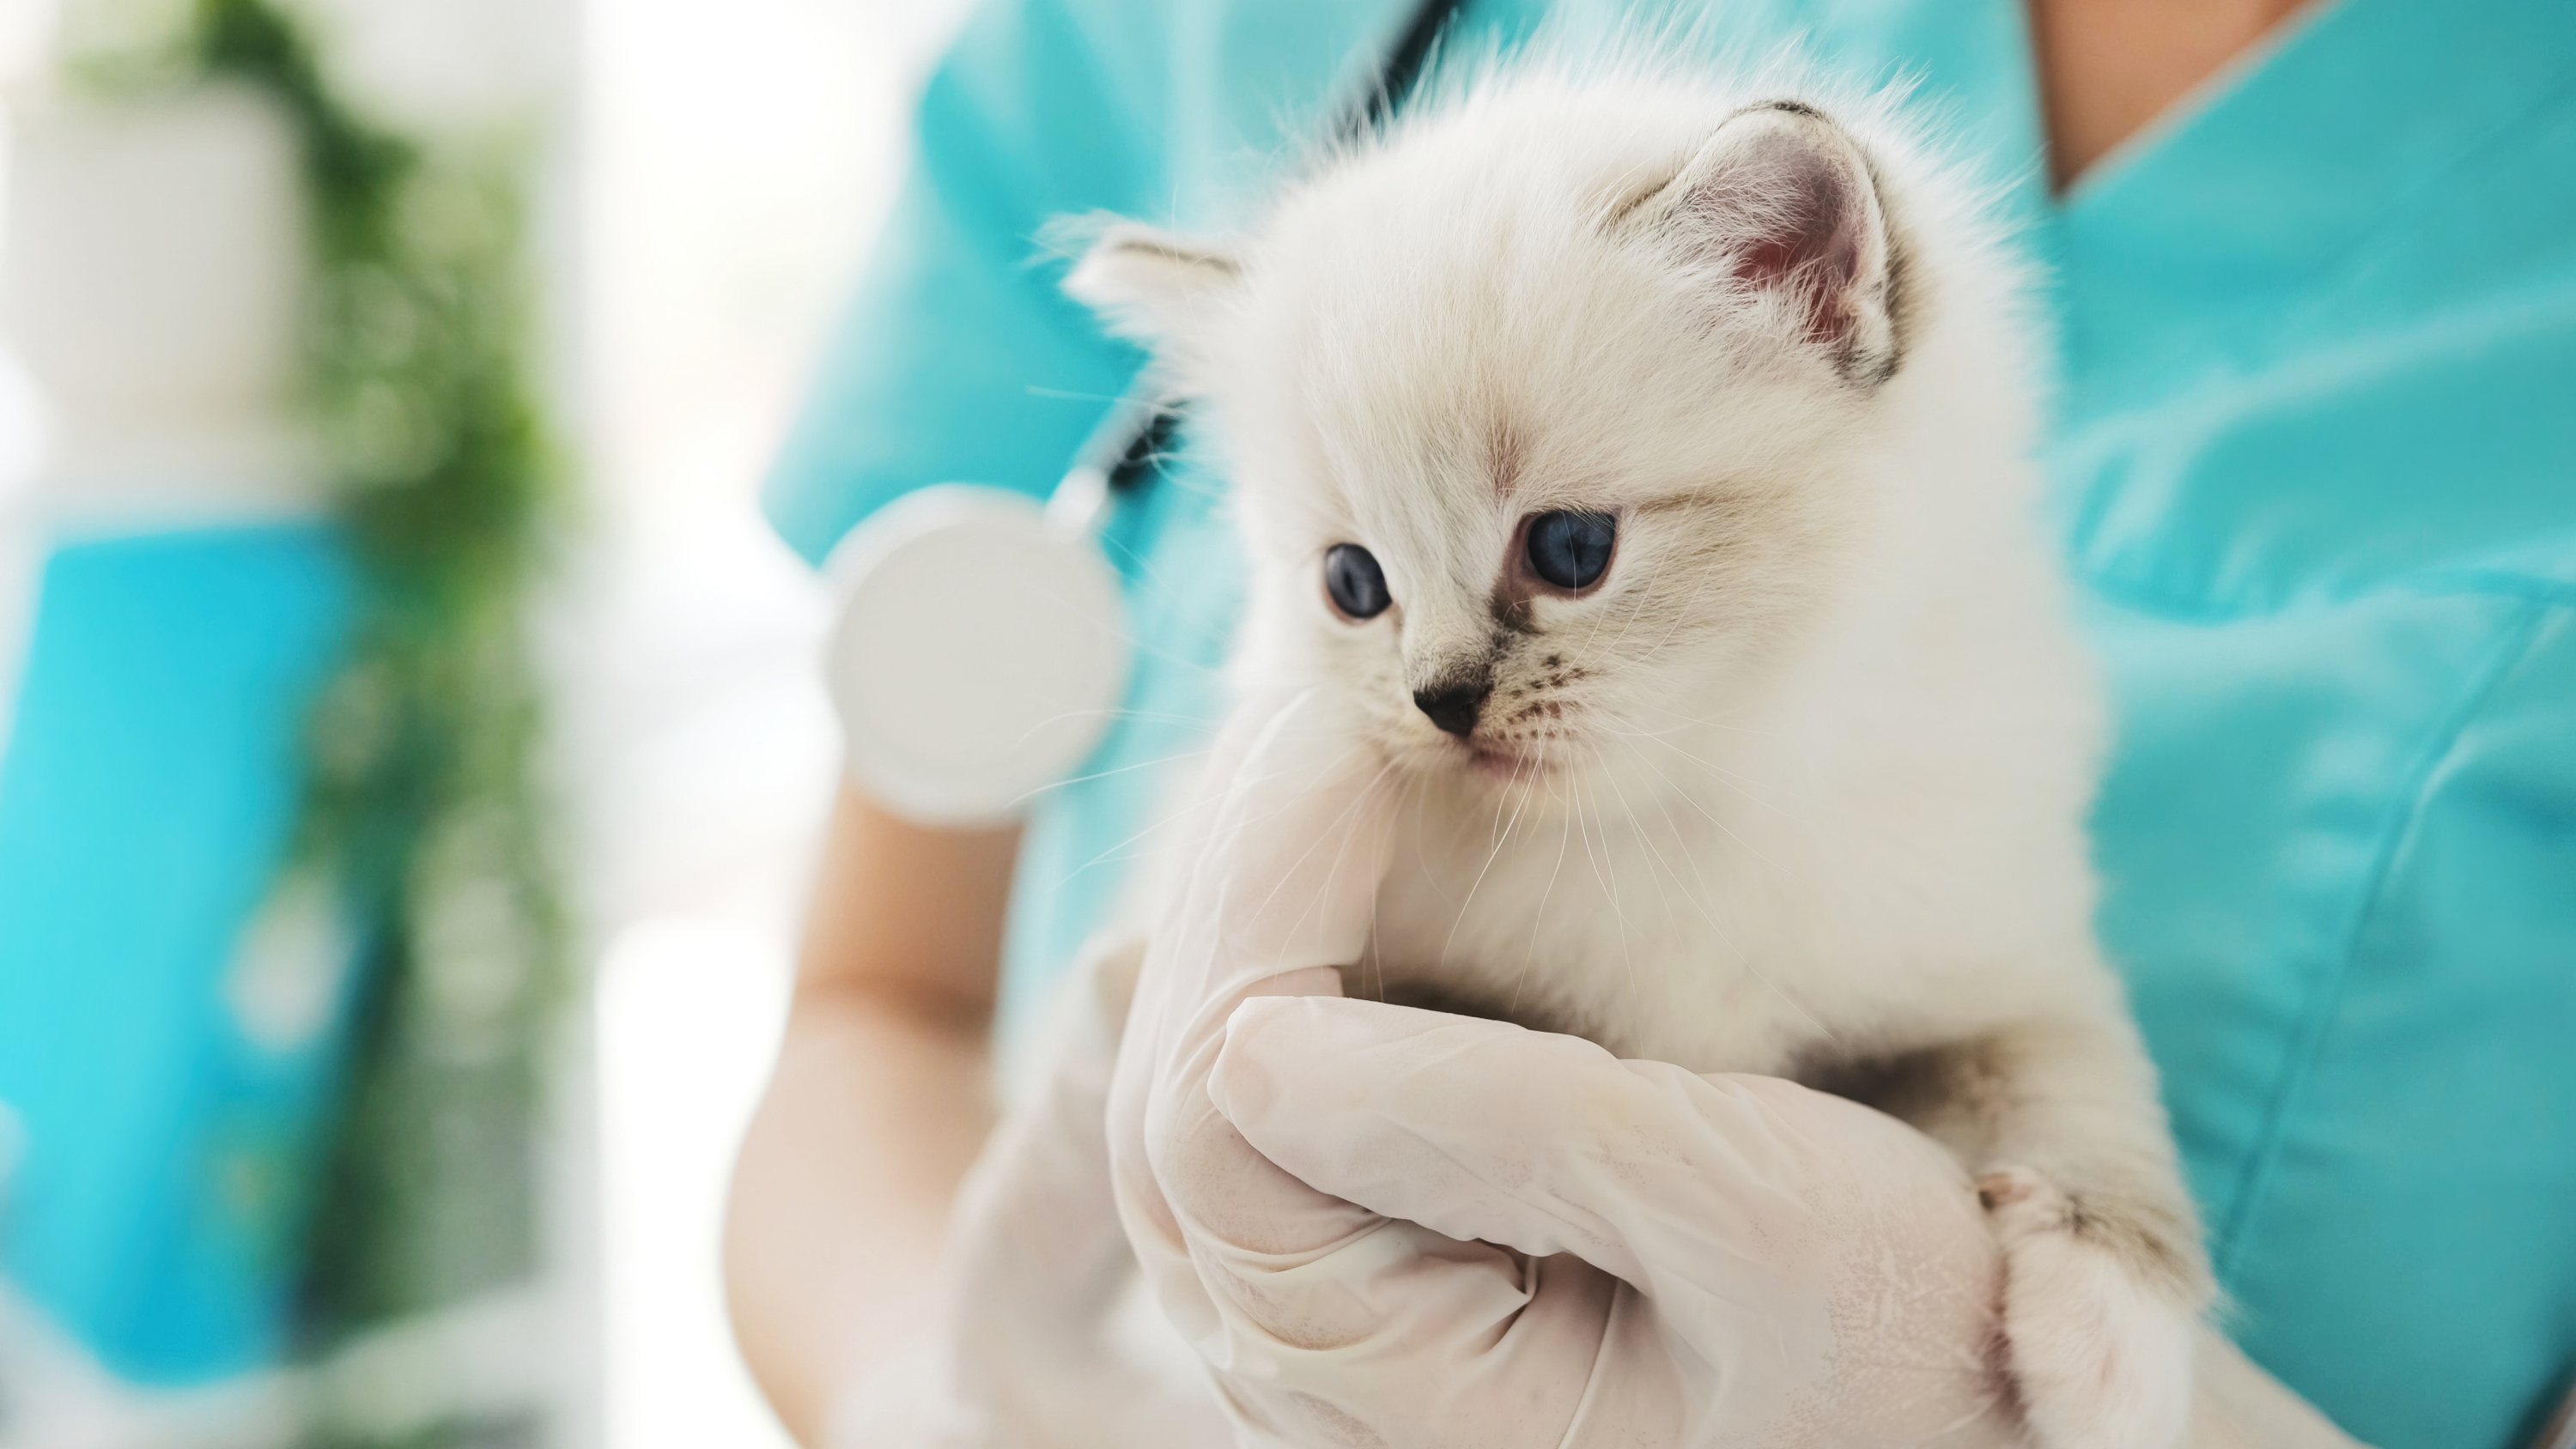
x=1147, y=418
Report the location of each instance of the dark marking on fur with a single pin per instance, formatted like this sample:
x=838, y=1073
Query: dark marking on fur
x=1961, y=1095
x=1513, y=612
x=2155, y=1247
x=1401, y=988
x=1505, y=451
x=1144, y=247
x=1903, y=297
x=1950, y=1093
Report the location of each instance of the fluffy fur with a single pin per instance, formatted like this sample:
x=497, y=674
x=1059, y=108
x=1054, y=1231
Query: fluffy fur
x=1798, y=787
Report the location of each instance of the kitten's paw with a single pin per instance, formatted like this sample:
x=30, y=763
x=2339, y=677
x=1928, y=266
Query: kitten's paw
x=2101, y=1356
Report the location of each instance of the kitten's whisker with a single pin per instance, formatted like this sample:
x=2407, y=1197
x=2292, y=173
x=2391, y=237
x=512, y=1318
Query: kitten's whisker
x=1700, y=899
x=1618, y=908
x=1501, y=836
x=1132, y=640
x=1706, y=723
x=1028, y=795
x=1688, y=799
x=1538, y=917
x=1150, y=716
x=1729, y=778
x=1407, y=810
x=1065, y=394
x=1114, y=851
x=1142, y=562
x=1341, y=838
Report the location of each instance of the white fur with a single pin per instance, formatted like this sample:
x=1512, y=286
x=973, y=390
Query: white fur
x=2095, y=1353
x=1805, y=780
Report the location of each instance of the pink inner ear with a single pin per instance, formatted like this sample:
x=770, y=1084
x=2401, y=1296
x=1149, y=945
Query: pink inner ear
x=1812, y=241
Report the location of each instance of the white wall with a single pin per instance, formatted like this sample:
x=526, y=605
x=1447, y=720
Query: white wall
x=733, y=157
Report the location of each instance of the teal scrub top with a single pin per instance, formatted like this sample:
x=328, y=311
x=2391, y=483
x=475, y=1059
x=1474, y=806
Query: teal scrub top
x=2314, y=469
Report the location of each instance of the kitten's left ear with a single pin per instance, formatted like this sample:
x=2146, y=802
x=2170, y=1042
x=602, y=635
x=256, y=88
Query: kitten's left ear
x=1154, y=286
x=1786, y=201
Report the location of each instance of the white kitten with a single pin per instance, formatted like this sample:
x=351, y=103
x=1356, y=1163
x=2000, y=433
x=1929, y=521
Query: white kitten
x=1644, y=469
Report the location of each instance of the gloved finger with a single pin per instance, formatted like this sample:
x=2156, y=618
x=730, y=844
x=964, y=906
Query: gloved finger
x=1548, y=1143
x=1284, y=871
x=1424, y=1339
x=1280, y=888
x=1771, y=1228
x=1278, y=1283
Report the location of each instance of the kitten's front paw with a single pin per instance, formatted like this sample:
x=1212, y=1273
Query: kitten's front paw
x=2100, y=1354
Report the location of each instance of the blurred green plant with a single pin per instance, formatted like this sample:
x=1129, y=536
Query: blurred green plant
x=423, y=804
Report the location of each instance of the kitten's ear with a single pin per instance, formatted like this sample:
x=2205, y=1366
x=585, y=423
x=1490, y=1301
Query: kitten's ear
x=1154, y=286
x=1785, y=200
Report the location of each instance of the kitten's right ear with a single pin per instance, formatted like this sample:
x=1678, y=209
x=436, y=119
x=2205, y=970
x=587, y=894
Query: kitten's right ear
x=1785, y=201
x=1154, y=286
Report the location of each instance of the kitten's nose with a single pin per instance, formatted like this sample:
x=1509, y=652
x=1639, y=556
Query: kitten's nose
x=1454, y=707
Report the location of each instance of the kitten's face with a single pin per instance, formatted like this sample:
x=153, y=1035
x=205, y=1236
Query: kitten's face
x=1535, y=569
x=1538, y=467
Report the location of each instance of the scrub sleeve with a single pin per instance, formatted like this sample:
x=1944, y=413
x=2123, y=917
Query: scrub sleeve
x=2314, y=465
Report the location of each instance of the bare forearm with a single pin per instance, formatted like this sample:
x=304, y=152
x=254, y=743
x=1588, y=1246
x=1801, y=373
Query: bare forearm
x=878, y=1102
x=832, y=1243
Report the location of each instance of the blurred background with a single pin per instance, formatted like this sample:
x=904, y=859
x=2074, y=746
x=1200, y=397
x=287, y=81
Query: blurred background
x=409, y=743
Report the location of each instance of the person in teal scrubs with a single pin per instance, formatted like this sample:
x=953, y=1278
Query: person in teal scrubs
x=2313, y=454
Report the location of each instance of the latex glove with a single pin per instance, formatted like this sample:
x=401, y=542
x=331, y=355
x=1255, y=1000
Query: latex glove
x=1681, y=1259
x=1720, y=1260
x=1688, y=1188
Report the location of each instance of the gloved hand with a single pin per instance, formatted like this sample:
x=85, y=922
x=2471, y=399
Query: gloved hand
x=1381, y=1225
x=1542, y=1141
x=1758, y=1263
x=1796, y=1269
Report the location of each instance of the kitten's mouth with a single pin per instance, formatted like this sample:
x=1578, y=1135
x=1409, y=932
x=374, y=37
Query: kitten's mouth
x=1500, y=762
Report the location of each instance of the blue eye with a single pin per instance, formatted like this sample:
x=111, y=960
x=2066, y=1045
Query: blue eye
x=1571, y=550
x=1356, y=583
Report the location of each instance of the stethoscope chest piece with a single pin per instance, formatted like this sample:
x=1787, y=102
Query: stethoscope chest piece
x=979, y=656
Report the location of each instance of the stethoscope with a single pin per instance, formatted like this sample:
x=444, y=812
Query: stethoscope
x=980, y=648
